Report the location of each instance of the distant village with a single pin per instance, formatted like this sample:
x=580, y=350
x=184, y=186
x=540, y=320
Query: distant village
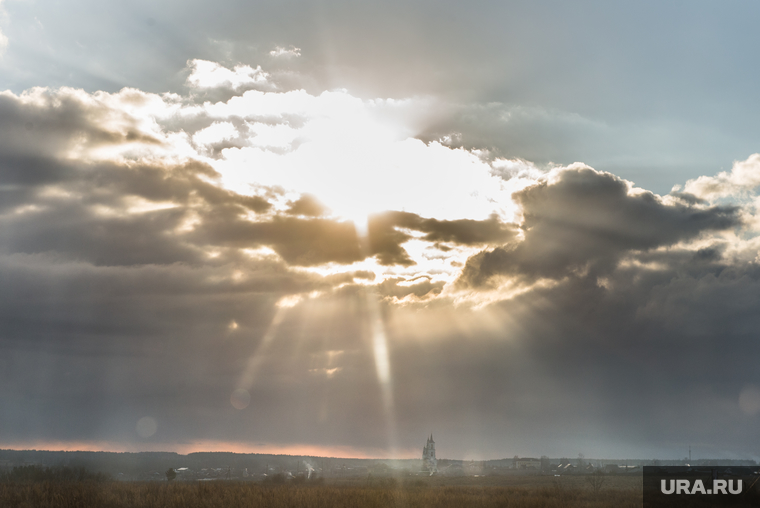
x=221, y=466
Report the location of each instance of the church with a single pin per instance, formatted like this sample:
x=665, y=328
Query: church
x=429, y=462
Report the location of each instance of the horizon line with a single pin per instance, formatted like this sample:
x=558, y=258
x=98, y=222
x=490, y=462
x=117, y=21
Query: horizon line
x=365, y=457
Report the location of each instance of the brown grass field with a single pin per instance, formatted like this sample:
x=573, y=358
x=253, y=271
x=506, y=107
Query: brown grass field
x=512, y=492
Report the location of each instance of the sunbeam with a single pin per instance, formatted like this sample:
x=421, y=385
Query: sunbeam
x=254, y=362
x=379, y=347
x=382, y=366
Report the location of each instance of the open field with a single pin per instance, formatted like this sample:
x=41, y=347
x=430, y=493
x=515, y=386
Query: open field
x=614, y=482
x=514, y=492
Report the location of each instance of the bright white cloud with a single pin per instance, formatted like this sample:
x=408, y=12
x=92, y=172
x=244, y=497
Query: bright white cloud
x=205, y=74
x=276, y=136
x=290, y=52
x=255, y=104
x=356, y=156
x=215, y=133
x=743, y=178
x=357, y=168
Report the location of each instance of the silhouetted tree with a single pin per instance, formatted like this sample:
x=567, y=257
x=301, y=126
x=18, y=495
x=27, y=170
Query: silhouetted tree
x=595, y=480
x=170, y=474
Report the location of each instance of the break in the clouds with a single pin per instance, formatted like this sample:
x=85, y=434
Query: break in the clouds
x=297, y=226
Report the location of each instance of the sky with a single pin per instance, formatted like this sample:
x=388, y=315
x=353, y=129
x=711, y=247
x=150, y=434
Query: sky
x=332, y=228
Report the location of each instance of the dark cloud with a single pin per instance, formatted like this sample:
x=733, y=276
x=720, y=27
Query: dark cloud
x=688, y=198
x=385, y=237
x=71, y=231
x=585, y=220
x=385, y=241
x=420, y=287
x=84, y=211
x=46, y=122
x=462, y=232
x=19, y=173
x=302, y=242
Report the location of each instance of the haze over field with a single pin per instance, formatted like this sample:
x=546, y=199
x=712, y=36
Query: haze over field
x=330, y=228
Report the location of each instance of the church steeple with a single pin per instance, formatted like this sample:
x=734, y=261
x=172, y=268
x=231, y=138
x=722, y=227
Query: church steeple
x=428, y=455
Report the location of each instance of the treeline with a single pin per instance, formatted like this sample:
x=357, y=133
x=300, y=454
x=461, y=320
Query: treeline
x=61, y=474
x=134, y=466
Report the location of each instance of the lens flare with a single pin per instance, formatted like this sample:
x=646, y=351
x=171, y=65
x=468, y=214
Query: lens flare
x=240, y=398
x=146, y=427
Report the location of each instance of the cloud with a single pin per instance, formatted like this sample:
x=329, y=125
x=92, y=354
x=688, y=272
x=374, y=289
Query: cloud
x=302, y=242
x=743, y=178
x=463, y=231
x=42, y=122
x=215, y=133
x=579, y=220
x=307, y=205
x=105, y=184
x=280, y=52
x=205, y=74
x=386, y=233
x=414, y=290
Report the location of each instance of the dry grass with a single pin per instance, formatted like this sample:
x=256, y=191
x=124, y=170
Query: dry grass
x=232, y=495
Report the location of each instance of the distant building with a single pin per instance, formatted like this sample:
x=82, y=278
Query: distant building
x=428, y=456
x=456, y=469
x=528, y=463
x=615, y=468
